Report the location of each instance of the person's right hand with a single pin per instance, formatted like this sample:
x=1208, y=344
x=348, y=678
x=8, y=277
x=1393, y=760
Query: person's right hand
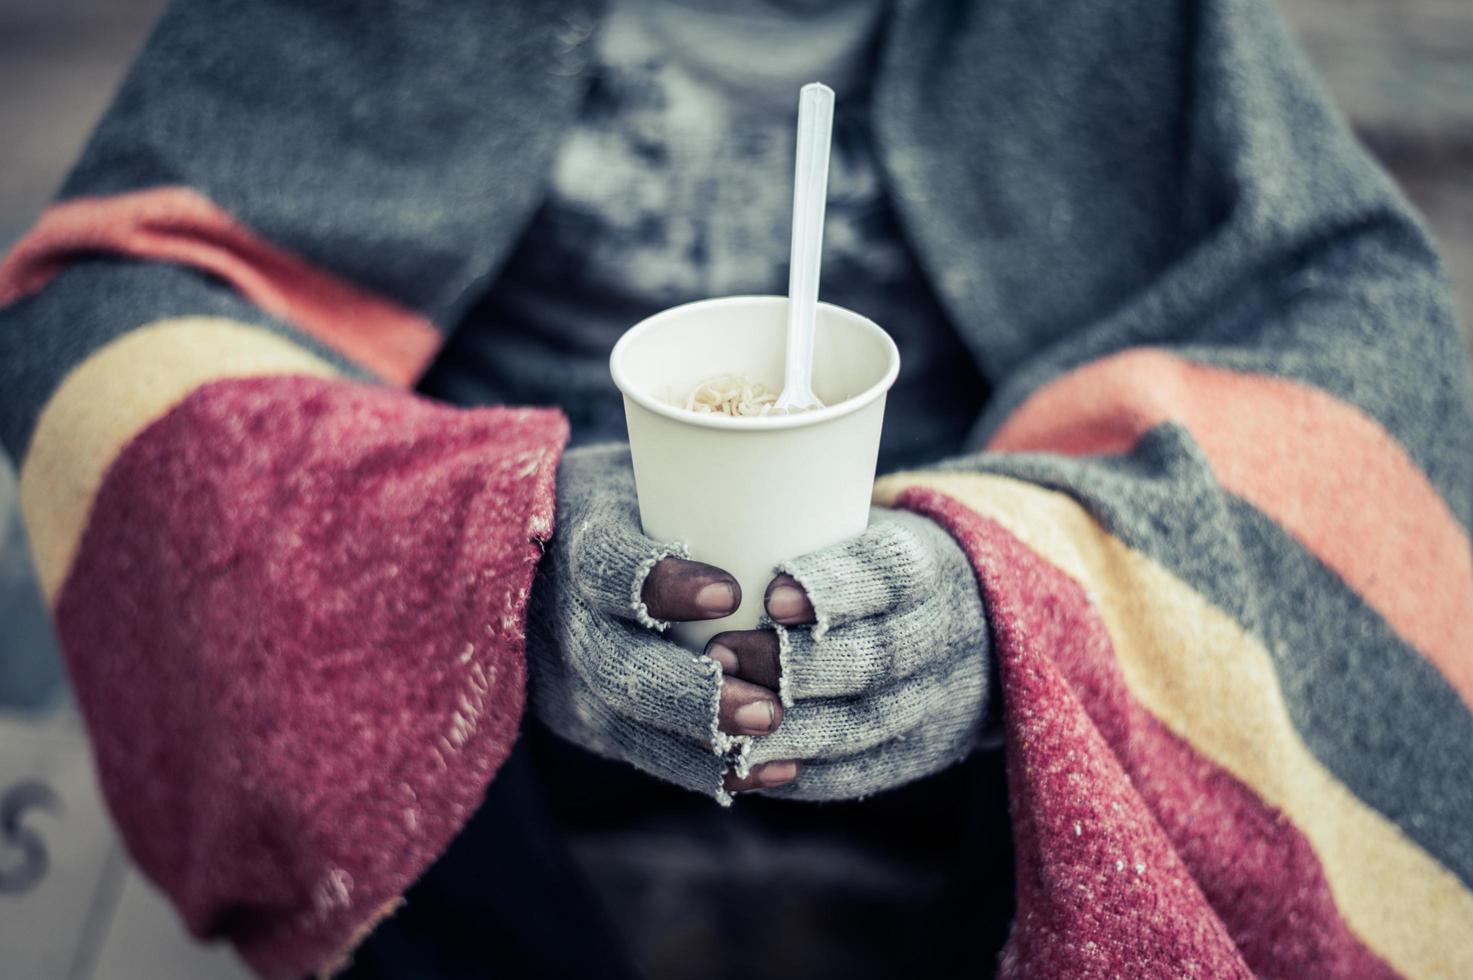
x=602, y=675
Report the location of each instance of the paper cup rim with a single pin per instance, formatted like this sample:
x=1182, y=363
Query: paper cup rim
x=752, y=422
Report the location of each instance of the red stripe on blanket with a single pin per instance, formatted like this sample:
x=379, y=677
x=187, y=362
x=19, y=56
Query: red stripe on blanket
x=295, y=626
x=1323, y=470
x=177, y=224
x=1136, y=856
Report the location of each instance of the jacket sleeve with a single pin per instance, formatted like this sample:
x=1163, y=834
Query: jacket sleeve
x=1221, y=528
x=290, y=593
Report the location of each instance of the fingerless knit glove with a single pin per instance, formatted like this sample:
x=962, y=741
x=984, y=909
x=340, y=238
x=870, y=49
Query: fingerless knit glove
x=894, y=680
x=892, y=683
x=600, y=676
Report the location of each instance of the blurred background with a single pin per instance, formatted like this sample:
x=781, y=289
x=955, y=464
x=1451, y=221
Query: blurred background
x=1401, y=70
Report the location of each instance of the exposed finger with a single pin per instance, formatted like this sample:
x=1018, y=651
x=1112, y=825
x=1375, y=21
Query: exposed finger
x=751, y=655
x=747, y=709
x=765, y=776
x=787, y=602
x=900, y=561
x=682, y=590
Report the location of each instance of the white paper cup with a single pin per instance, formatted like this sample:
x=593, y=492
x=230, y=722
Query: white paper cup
x=748, y=493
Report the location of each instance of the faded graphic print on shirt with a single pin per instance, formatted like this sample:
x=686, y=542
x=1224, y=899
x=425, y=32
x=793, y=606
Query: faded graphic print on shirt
x=676, y=185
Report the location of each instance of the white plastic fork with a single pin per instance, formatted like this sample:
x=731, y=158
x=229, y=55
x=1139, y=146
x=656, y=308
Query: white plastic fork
x=810, y=193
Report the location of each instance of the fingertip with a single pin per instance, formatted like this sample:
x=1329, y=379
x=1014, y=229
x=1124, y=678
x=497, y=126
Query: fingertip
x=755, y=717
x=768, y=775
x=719, y=598
x=787, y=602
x=725, y=657
x=778, y=773
x=747, y=708
x=682, y=590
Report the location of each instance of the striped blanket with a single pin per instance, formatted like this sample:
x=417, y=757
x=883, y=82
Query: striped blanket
x=1218, y=506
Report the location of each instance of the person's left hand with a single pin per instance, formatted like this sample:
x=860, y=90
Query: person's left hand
x=880, y=651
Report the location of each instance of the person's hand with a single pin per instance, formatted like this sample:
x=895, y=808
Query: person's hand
x=602, y=675
x=881, y=653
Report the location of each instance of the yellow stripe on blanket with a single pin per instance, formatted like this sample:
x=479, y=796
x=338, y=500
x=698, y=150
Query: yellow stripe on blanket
x=1194, y=668
x=111, y=397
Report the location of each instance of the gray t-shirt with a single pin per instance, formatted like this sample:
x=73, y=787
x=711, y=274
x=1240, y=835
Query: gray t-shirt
x=676, y=185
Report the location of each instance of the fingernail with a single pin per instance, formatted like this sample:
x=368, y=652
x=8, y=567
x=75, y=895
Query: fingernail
x=755, y=717
x=718, y=597
x=785, y=602
x=776, y=773
x=726, y=658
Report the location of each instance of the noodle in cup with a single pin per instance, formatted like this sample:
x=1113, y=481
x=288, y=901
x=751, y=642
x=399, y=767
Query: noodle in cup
x=748, y=492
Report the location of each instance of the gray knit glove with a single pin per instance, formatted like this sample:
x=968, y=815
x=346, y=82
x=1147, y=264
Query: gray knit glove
x=602, y=675
x=890, y=680
x=888, y=683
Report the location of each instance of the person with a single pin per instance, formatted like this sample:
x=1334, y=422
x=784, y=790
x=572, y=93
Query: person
x=1174, y=517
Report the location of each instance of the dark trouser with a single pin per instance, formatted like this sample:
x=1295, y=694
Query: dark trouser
x=507, y=900
x=502, y=901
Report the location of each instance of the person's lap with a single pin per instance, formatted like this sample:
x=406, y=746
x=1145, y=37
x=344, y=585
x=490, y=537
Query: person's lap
x=575, y=866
